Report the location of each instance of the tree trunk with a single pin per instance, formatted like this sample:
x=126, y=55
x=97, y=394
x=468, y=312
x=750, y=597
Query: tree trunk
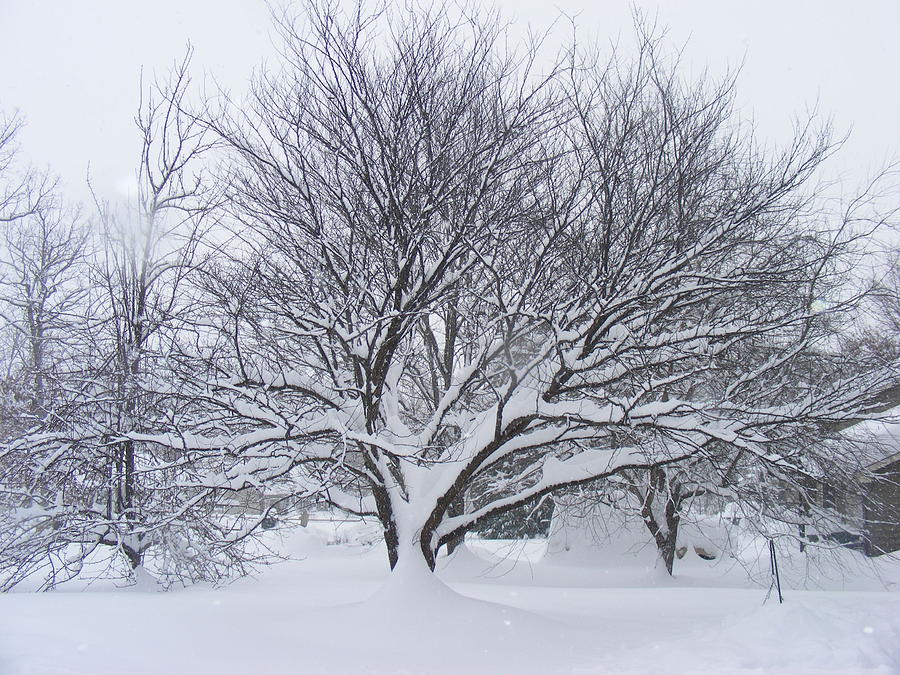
x=135, y=558
x=456, y=508
x=665, y=534
x=388, y=524
x=406, y=533
x=673, y=519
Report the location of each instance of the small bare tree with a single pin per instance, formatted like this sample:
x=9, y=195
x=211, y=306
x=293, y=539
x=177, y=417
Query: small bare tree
x=40, y=247
x=88, y=483
x=149, y=249
x=42, y=293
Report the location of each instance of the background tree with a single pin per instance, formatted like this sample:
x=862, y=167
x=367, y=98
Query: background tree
x=87, y=483
x=142, y=302
x=43, y=294
x=44, y=251
x=32, y=280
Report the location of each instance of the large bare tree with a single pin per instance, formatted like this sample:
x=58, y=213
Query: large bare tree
x=450, y=267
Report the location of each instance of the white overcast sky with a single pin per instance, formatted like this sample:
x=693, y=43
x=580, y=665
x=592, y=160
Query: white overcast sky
x=71, y=68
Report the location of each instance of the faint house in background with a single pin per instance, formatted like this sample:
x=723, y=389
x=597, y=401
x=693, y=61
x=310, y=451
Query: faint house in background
x=876, y=507
x=881, y=499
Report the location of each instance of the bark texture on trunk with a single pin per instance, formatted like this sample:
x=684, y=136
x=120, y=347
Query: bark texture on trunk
x=664, y=529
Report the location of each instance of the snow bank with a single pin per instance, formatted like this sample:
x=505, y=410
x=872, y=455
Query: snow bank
x=338, y=611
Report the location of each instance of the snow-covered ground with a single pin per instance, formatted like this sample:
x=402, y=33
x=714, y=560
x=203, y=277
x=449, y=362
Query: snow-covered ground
x=507, y=607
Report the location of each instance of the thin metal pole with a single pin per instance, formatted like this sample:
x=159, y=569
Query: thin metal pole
x=773, y=559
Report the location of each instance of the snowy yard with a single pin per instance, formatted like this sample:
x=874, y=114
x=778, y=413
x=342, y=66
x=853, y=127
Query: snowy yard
x=473, y=278
x=512, y=609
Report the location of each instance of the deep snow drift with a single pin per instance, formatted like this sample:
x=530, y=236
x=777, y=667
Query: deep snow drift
x=505, y=607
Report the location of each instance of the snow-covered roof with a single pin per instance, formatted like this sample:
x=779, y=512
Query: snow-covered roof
x=879, y=439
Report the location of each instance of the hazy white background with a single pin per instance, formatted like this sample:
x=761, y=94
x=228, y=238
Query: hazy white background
x=72, y=67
